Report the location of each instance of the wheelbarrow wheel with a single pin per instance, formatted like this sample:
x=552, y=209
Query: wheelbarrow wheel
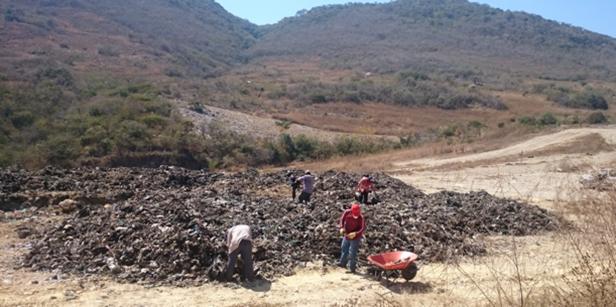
x=410, y=271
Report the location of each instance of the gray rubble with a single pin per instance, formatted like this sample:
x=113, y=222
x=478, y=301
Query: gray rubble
x=167, y=225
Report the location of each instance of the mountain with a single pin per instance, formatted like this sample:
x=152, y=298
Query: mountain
x=198, y=38
x=105, y=82
x=439, y=35
x=174, y=37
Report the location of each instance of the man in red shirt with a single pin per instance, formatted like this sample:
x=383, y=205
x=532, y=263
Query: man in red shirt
x=352, y=226
x=364, y=187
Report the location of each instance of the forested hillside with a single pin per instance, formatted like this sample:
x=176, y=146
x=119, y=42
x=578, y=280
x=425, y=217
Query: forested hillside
x=440, y=35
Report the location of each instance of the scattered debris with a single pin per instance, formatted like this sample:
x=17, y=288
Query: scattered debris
x=167, y=225
x=602, y=180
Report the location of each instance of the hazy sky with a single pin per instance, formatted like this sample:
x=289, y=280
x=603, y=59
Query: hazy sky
x=595, y=15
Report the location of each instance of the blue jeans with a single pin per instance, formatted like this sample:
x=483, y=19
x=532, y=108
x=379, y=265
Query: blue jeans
x=349, y=250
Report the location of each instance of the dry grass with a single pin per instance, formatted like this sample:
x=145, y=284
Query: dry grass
x=398, y=120
x=591, y=281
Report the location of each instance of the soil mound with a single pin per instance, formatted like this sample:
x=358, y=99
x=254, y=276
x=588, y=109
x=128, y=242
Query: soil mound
x=167, y=225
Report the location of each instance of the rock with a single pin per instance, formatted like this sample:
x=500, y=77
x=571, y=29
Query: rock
x=70, y=295
x=114, y=268
x=24, y=232
x=68, y=205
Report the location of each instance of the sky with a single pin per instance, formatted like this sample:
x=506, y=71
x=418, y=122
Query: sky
x=595, y=15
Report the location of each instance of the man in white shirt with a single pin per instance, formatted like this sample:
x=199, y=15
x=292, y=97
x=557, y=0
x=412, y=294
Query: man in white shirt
x=239, y=242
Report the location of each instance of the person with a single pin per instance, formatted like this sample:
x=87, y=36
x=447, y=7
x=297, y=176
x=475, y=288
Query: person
x=364, y=187
x=293, y=183
x=307, y=182
x=239, y=242
x=352, y=226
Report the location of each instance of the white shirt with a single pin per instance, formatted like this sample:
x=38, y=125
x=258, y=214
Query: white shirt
x=236, y=234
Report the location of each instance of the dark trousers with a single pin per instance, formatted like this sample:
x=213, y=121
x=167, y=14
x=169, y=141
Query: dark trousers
x=304, y=197
x=363, y=197
x=245, y=250
x=294, y=188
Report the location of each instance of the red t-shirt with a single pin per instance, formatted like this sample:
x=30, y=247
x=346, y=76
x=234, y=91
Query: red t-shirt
x=365, y=185
x=351, y=224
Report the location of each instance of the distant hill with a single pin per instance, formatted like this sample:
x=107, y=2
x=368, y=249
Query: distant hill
x=198, y=38
x=440, y=35
x=100, y=82
x=174, y=37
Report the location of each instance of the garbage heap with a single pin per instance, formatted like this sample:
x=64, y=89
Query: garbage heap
x=168, y=225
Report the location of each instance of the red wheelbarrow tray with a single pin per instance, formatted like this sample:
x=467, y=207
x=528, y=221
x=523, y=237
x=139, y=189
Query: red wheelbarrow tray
x=392, y=260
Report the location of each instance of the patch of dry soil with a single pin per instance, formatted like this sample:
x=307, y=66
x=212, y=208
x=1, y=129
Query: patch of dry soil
x=261, y=127
x=514, y=173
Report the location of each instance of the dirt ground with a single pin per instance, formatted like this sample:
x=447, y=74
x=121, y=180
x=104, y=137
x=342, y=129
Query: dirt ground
x=535, y=170
x=514, y=268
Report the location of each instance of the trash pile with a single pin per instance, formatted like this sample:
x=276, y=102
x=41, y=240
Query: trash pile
x=602, y=180
x=167, y=225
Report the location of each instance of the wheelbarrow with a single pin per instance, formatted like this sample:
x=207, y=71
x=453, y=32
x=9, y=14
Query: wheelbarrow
x=392, y=262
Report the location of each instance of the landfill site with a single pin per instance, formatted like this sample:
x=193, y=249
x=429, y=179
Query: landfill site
x=100, y=236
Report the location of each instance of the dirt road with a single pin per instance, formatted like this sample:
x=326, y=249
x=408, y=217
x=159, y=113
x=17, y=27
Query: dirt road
x=535, y=170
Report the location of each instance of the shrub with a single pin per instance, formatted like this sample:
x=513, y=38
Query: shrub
x=108, y=51
x=6, y=158
x=318, y=98
x=449, y=131
x=197, y=107
x=596, y=118
x=589, y=100
x=22, y=119
x=61, y=150
x=306, y=147
x=173, y=72
x=285, y=124
x=548, y=119
x=476, y=124
x=131, y=136
x=11, y=16
x=154, y=121
x=59, y=76
x=96, y=111
x=527, y=120
x=93, y=135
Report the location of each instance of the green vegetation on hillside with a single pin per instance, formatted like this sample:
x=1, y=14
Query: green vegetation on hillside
x=588, y=98
x=440, y=36
x=53, y=121
x=407, y=89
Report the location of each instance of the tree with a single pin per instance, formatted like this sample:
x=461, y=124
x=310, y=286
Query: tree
x=548, y=119
x=11, y=16
x=596, y=118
